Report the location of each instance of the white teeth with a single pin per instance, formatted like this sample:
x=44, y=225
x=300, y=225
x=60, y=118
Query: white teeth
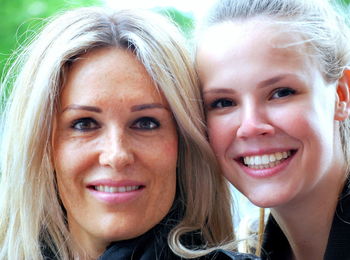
x=110, y=189
x=128, y=188
x=257, y=160
x=266, y=160
x=279, y=156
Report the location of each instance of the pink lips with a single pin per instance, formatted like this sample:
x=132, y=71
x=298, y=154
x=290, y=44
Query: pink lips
x=115, y=192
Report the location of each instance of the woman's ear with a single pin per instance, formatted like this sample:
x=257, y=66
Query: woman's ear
x=342, y=109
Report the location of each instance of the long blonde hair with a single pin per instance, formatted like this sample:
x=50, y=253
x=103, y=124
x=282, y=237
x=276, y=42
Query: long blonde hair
x=30, y=211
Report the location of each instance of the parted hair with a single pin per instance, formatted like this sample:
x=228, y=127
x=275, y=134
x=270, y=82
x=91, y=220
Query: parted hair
x=323, y=25
x=31, y=214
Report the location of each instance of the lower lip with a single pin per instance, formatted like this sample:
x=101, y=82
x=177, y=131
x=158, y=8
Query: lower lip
x=268, y=172
x=116, y=198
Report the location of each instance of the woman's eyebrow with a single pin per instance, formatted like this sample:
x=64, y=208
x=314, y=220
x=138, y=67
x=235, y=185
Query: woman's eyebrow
x=275, y=79
x=98, y=110
x=82, y=107
x=147, y=106
x=219, y=91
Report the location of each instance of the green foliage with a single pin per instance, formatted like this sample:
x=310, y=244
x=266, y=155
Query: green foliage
x=183, y=20
x=21, y=17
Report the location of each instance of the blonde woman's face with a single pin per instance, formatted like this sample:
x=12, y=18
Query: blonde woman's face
x=271, y=115
x=115, y=150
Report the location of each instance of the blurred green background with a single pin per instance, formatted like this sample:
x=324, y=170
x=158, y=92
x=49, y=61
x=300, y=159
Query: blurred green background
x=20, y=18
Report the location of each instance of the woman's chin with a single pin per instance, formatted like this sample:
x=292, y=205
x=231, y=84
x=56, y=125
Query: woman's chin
x=269, y=199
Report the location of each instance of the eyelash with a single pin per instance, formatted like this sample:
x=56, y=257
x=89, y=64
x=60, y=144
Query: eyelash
x=77, y=124
x=151, y=122
x=89, y=124
x=282, y=90
x=221, y=103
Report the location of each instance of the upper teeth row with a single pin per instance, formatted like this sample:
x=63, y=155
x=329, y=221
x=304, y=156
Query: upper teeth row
x=266, y=158
x=115, y=189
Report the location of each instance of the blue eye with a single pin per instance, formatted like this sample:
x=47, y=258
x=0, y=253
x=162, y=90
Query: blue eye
x=145, y=123
x=84, y=124
x=222, y=103
x=282, y=92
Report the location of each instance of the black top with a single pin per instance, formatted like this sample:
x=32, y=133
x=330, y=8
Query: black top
x=276, y=246
x=153, y=245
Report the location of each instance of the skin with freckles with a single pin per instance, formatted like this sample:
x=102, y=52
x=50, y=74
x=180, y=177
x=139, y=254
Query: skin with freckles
x=265, y=102
x=112, y=127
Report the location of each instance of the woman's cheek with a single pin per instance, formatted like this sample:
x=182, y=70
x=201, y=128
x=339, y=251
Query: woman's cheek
x=220, y=129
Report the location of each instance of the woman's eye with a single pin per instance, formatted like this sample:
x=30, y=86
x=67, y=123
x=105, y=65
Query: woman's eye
x=221, y=103
x=146, y=123
x=85, y=124
x=282, y=92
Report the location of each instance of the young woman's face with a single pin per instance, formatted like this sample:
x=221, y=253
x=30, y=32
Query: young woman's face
x=114, y=149
x=270, y=113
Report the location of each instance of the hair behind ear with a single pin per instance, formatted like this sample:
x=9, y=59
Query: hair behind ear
x=342, y=109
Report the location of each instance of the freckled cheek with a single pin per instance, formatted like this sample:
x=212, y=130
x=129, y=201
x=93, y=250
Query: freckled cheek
x=163, y=146
x=171, y=148
x=71, y=161
x=71, y=165
x=162, y=163
x=168, y=152
x=162, y=159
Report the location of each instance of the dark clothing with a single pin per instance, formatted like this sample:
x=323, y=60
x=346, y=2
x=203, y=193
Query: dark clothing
x=276, y=246
x=153, y=245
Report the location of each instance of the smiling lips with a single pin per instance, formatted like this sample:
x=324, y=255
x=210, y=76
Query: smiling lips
x=116, y=192
x=111, y=189
x=266, y=160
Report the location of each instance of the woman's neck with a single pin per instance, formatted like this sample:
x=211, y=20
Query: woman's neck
x=307, y=222
x=86, y=248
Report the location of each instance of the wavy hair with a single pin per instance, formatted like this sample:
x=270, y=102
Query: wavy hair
x=30, y=210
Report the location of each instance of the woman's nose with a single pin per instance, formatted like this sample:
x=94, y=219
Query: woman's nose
x=254, y=122
x=116, y=151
